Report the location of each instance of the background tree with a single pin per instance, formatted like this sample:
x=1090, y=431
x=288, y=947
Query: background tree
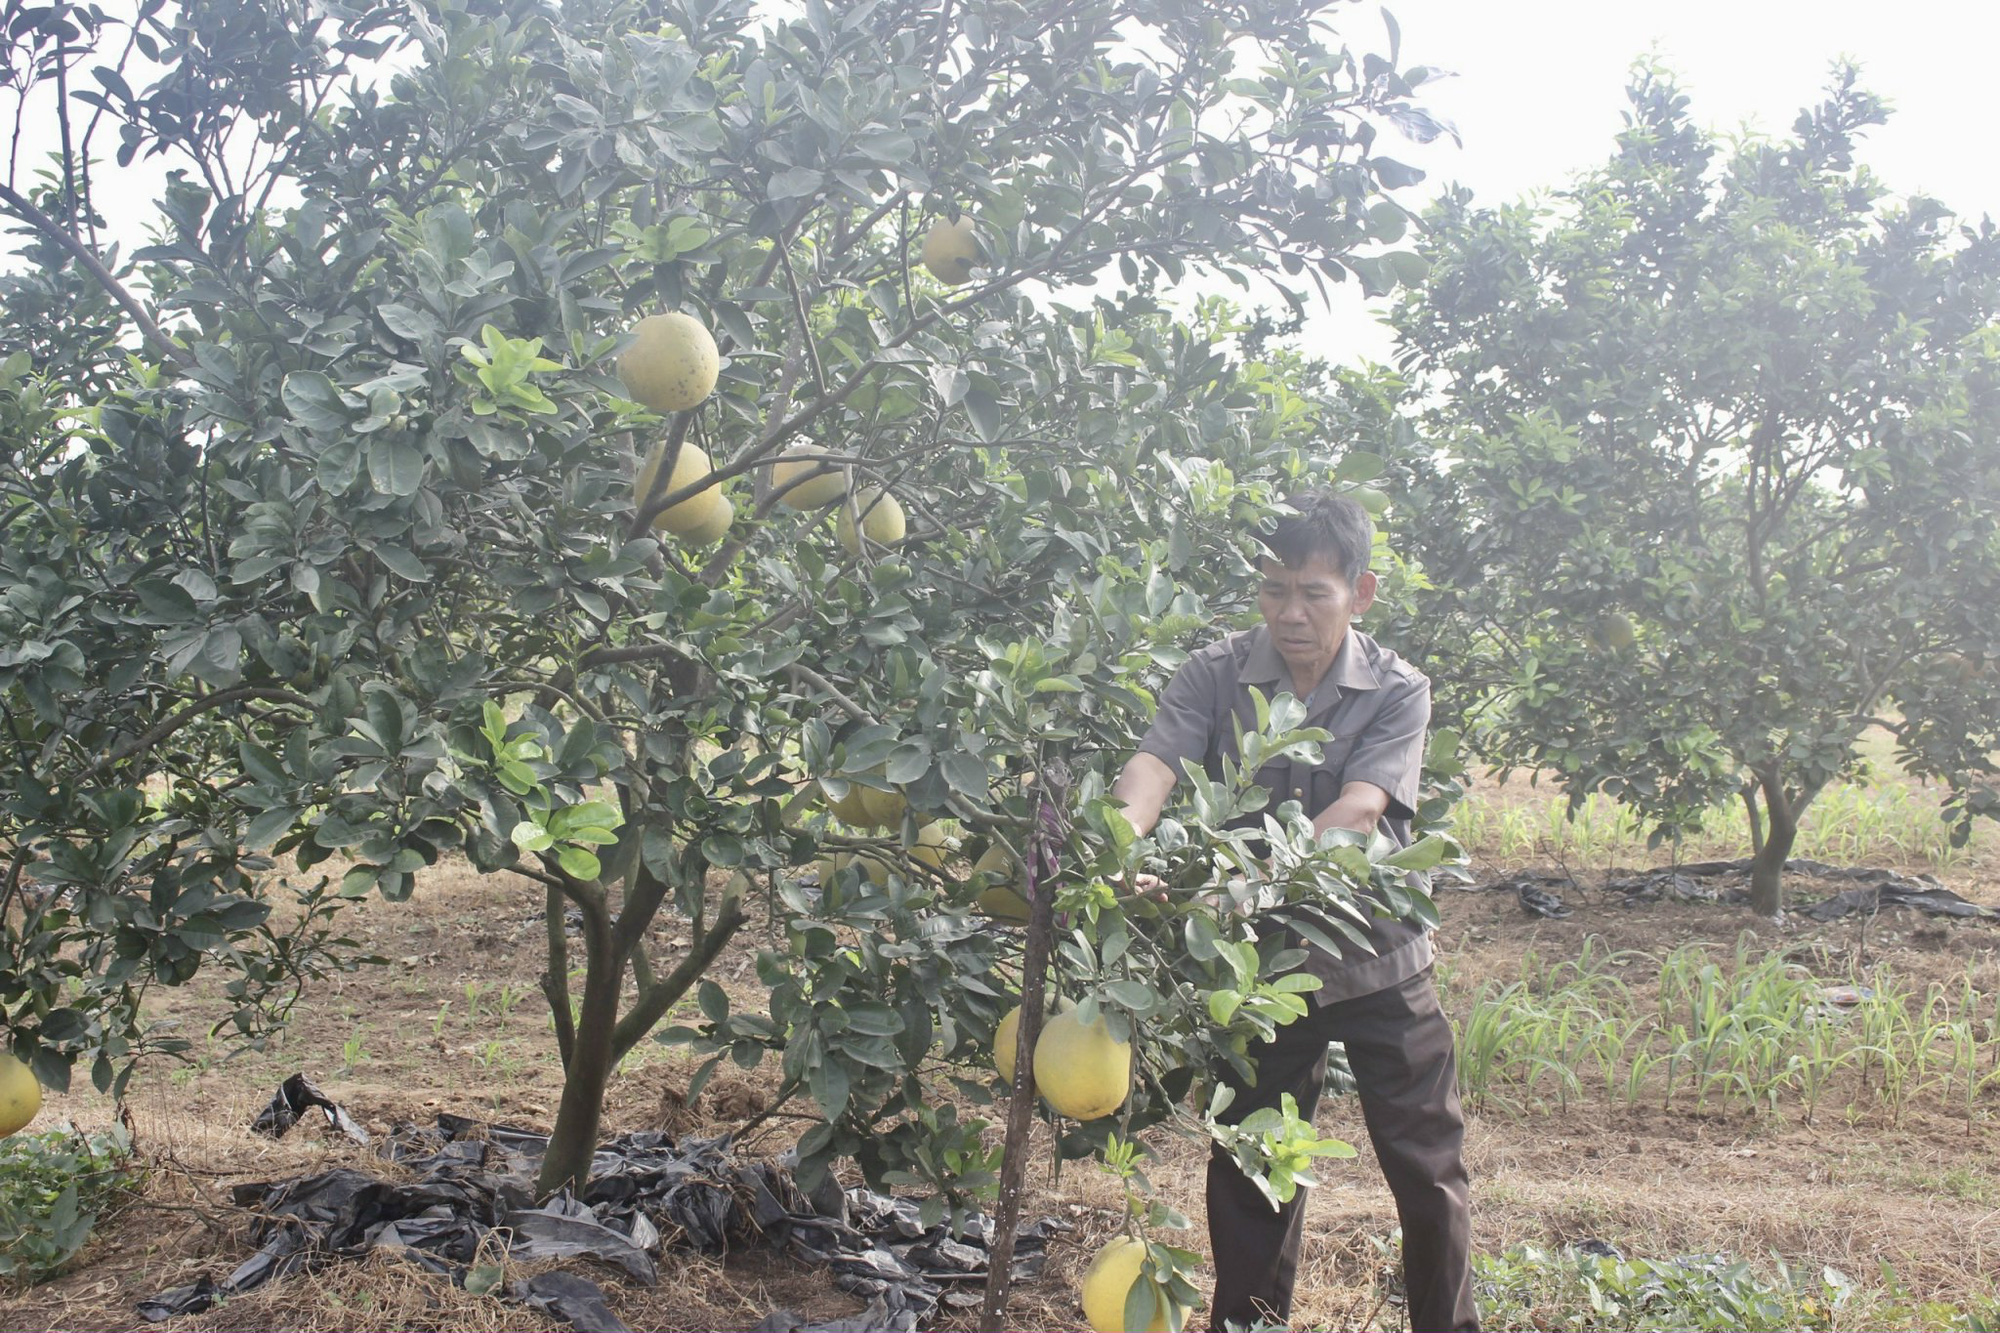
x=1704, y=453
x=323, y=539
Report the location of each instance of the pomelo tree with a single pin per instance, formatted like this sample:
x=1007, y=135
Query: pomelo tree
x=1714, y=431
x=323, y=559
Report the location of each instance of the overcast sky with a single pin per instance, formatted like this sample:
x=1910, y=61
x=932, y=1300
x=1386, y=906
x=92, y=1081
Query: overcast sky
x=1540, y=86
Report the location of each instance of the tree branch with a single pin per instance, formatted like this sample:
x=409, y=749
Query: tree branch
x=48, y=226
x=655, y=999
x=180, y=718
x=555, y=980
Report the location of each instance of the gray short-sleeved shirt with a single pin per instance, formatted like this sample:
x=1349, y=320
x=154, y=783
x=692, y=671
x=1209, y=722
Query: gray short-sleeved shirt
x=1376, y=705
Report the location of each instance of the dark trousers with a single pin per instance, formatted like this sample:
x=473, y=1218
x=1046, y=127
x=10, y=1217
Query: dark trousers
x=1399, y=1045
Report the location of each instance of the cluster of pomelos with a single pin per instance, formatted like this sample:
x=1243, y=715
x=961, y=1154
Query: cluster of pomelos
x=671, y=364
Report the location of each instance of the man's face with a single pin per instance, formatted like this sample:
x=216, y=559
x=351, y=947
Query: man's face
x=1308, y=610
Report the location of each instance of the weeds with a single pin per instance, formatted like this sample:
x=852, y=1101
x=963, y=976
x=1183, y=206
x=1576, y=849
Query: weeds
x=1849, y=823
x=1534, y=1288
x=354, y=1051
x=53, y=1188
x=1756, y=1032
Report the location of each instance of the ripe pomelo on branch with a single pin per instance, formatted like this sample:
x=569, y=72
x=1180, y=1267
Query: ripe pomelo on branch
x=932, y=847
x=703, y=516
x=803, y=483
x=20, y=1094
x=1614, y=632
x=885, y=808
x=1108, y=1282
x=881, y=521
x=951, y=249
x=672, y=363
x=874, y=868
x=1001, y=896
x=850, y=809
x=1007, y=1036
x=1082, y=1069
x=706, y=527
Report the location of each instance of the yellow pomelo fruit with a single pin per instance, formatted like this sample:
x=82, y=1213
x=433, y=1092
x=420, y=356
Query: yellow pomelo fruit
x=818, y=489
x=705, y=525
x=1616, y=632
x=1001, y=898
x=1081, y=1068
x=1009, y=1033
x=997, y=865
x=1003, y=904
x=700, y=518
x=885, y=808
x=873, y=868
x=932, y=847
x=951, y=249
x=850, y=809
x=671, y=364
x=20, y=1094
x=881, y=521
x=1108, y=1282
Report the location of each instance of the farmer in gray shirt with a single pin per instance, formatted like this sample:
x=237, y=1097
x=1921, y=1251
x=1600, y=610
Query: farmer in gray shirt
x=1383, y=1005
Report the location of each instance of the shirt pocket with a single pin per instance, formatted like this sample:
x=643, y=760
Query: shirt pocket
x=1276, y=778
x=1327, y=776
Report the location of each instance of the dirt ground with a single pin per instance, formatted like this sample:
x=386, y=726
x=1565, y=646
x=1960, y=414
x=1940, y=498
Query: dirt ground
x=455, y=1023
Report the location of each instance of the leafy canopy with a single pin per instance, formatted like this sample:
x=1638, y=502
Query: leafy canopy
x=327, y=563
x=1704, y=444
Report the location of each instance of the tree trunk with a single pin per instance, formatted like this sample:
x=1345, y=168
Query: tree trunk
x=591, y=1061
x=1767, y=868
x=1042, y=847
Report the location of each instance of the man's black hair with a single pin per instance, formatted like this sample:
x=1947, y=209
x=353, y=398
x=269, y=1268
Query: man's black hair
x=1325, y=524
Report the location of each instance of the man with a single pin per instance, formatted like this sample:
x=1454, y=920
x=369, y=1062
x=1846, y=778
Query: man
x=1382, y=1006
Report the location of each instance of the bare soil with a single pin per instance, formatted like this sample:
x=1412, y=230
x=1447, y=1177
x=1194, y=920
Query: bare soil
x=455, y=1023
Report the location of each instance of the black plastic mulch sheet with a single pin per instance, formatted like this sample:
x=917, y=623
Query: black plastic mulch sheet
x=1878, y=889
x=289, y=1104
x=646, y=1190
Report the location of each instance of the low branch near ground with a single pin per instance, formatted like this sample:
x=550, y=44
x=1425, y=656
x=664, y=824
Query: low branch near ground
x=555, y=980
x=659, y=996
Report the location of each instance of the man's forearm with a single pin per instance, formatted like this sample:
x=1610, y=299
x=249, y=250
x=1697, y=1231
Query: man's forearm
x=1143, y=786
x=1360, y=806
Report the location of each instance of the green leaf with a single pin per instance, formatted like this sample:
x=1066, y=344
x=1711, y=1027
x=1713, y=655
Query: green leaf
x=830, y=1087
x=1134, y=995
x=314, y=402
x=965, y=773
x=1422, y=854
x=908, y=762
x=531, y=837
x=268, y=826
x=403, y=563
x=396, y=467
x=579, y=863
x=982, y=409
x=1356, y=466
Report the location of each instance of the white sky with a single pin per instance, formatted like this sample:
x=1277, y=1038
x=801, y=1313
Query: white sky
x=1540, y=88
